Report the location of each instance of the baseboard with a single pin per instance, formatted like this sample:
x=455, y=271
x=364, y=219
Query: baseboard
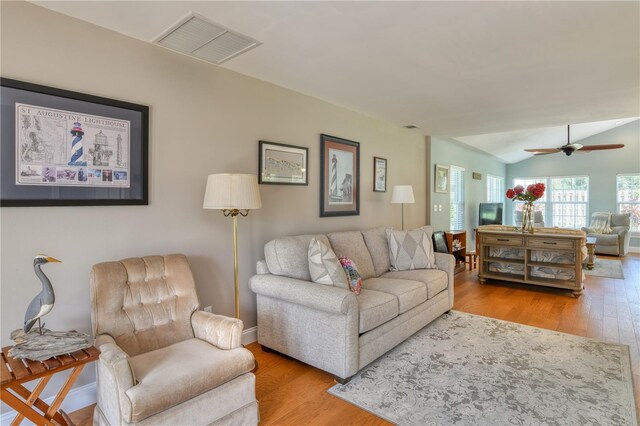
x=86, y=395
x=76, y=399
x=250, y=335
x=634, y=249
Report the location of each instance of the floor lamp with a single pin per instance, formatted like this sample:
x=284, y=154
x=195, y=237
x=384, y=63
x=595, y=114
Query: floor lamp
x=402, y=194
x=234, y=194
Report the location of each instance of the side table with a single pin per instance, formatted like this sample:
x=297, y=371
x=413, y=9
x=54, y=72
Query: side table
x=15, y=372
x=591, y=252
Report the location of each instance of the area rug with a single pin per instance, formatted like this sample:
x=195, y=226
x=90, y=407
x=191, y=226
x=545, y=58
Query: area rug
x=464, y=369
x=607, y=268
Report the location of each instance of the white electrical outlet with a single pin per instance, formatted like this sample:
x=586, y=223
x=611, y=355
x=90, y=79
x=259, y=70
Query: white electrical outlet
x=207, y=309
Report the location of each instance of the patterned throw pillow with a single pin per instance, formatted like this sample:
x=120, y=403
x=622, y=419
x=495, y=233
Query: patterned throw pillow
x=600, y=223
x=324, y=267
x=355, y=282
x=410, y=250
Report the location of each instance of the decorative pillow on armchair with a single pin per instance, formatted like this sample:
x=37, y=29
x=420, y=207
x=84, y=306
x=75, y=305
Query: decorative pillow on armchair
x=600, y=223
x=410, y=250
x=324, y=267
x=355, y=281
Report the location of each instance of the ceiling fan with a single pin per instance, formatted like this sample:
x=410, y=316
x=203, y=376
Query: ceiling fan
x=569, y=148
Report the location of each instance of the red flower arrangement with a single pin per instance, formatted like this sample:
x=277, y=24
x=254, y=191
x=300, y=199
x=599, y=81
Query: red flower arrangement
x=533, y=192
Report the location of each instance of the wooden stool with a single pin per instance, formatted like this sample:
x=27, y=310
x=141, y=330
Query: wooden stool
x=15, y=372
x=471, y=259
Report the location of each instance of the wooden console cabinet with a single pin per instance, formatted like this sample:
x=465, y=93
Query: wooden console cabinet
x=522, y=254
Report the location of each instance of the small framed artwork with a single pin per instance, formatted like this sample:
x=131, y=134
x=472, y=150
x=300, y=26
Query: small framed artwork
x=442, y=179
x=379, y=174
x=63, y=148
x=339, y=177
x=282, y=164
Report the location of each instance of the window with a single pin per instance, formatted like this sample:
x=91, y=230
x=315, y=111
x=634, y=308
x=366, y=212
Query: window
x=541, y=204
x=565, y=202
x=569, y=201
x=628, y=198
x=456, y=218
x=495, y=189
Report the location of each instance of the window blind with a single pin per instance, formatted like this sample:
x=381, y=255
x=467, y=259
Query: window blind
x=456, y=221
x=495, y=189
x=628, y=198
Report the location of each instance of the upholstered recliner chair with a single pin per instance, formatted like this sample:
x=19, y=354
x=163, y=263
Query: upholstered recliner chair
x=162, y=361
x=617, y=241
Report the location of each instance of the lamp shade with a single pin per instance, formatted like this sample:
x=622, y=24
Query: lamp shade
x=402, y=194
x=228, y=191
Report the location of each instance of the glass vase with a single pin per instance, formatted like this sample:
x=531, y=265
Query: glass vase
x=527, y=217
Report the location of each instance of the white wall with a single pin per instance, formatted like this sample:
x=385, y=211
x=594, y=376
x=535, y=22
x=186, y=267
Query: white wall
x=447, y=152
x=204, y=119
x=601, y=167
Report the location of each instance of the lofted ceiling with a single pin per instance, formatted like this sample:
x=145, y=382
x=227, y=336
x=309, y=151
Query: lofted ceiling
x=454, y=69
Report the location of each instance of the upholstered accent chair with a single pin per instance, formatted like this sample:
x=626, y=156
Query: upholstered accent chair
x=617, y=241
x=538, y=219
x=162, y=360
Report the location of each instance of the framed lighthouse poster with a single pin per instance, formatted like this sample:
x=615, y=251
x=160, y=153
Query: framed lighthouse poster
x=339, y=177
x=62, y=148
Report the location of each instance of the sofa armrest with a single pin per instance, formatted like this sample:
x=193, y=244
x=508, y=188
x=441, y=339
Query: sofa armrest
x=446, y=262
x=220, y=331
x=312, y=295
x=115, y=377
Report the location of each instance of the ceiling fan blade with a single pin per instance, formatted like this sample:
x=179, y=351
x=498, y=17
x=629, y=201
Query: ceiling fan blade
x=601, y=147
x=545, y=150
x=546, y=153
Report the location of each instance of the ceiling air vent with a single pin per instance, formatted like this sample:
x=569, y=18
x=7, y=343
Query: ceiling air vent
x=206, y=40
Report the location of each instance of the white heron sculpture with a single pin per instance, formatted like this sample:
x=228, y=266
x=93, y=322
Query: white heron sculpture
x=42, y=304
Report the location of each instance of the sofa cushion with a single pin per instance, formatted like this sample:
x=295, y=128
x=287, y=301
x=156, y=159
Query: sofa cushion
x=410, y=250
x=378, y=246
x=189, y=368
x=324, y=266
x=435, y=279
x=288, y=256
x=409, y=293
x=352, y=245
x=376, y=308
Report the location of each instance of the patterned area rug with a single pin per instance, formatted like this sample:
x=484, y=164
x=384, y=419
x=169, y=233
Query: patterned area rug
x=607, y=268
x=465, y=369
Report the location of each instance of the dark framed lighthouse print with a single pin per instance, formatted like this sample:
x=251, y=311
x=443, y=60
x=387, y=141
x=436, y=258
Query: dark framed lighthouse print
x=63, y=148
x=339, y=177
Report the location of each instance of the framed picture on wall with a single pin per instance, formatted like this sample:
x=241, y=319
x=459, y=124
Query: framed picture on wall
x=442, y=179
x=339, y=177
x=282, y=164
x=63, y=148
x=379, y=174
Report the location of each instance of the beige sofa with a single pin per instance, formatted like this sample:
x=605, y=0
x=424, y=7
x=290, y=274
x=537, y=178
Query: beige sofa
x=330, y=327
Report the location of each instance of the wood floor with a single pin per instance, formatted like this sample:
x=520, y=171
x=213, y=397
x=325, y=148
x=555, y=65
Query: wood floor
x=292, y=393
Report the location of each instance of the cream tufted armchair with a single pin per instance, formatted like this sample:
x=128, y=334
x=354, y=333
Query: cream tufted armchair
x=162, y=361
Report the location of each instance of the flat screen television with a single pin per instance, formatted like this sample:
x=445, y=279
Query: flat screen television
x=490, y=214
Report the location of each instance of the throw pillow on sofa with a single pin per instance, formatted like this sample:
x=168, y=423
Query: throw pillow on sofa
x=324, y=266
x=355, y=281
x=410, y=250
